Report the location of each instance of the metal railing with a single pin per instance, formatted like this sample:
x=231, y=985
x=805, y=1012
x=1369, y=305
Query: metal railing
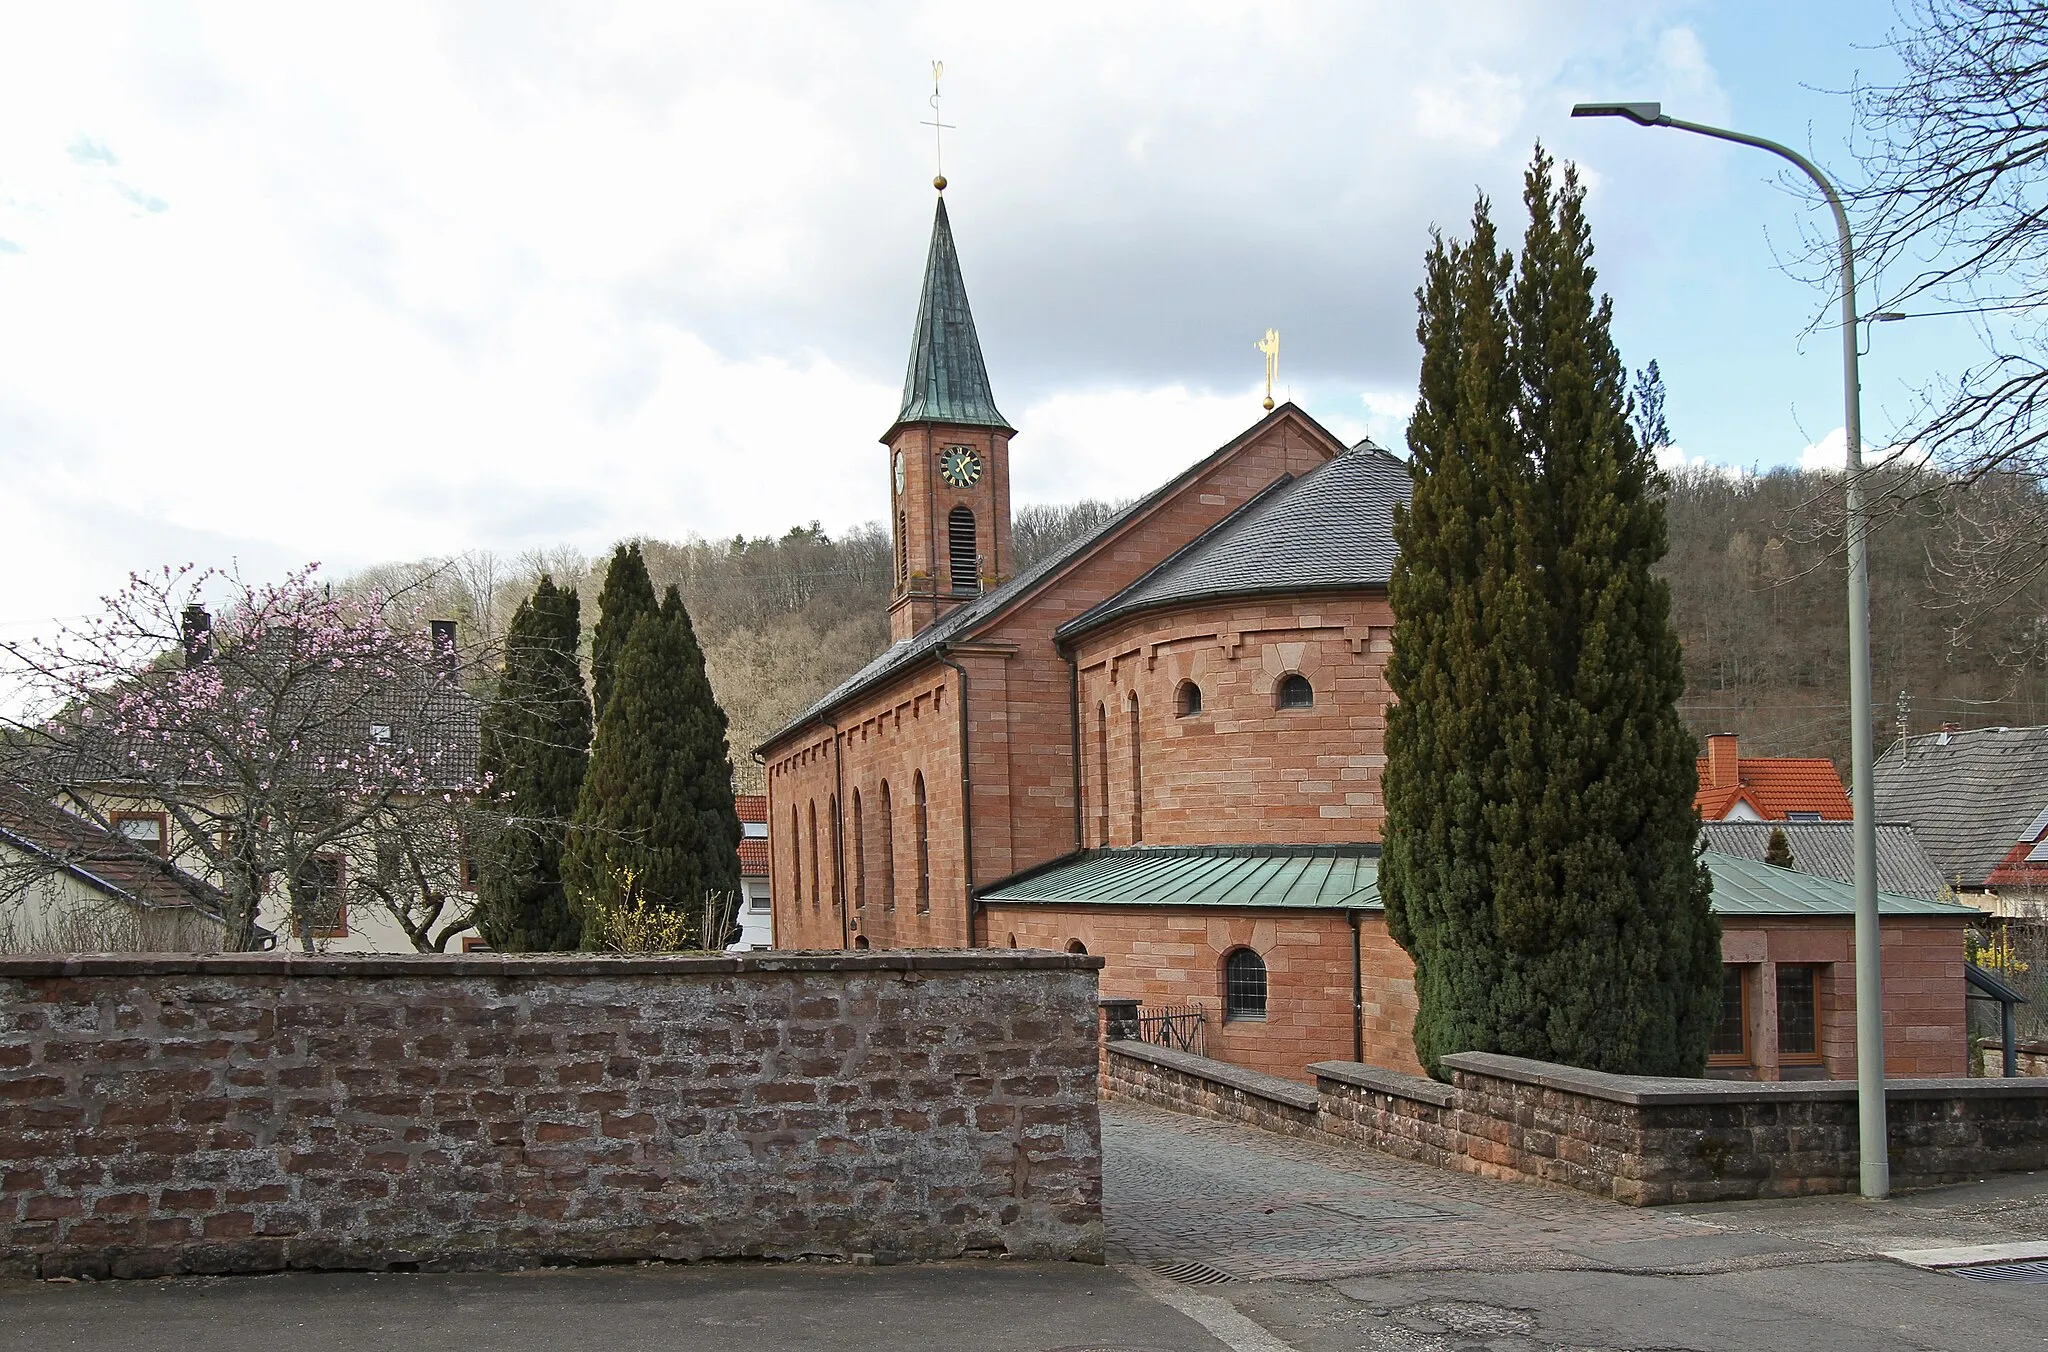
x=1171, y=1027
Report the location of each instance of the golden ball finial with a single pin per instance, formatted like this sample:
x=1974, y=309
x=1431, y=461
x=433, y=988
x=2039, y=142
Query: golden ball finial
x=940, y=183
x=1269, y=403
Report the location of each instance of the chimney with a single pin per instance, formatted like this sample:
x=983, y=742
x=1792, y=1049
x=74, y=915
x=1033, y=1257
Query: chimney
x=443, y=634
x=197, y=627
x=1723, y=761
x=1948, y=730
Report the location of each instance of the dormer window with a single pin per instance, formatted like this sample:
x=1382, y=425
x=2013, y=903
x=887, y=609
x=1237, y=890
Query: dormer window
x=380, y=733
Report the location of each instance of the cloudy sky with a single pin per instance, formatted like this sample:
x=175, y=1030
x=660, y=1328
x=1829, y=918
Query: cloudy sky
x=280, y=283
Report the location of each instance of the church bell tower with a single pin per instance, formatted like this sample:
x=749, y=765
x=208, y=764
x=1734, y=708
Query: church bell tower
x=949, y=458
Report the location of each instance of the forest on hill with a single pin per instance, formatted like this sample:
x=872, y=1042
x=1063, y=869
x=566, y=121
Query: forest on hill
x=1756, y=569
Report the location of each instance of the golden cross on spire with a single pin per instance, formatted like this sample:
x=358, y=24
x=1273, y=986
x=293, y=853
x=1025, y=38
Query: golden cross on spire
x=939, y=129
x=1270, y=345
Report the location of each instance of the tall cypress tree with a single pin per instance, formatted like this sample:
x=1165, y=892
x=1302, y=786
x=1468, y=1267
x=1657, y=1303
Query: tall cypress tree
x=535, y=746
x=1468, y=639
x=1616, y=950
x=628, y=594
x=1540, y=863
x=658, y=801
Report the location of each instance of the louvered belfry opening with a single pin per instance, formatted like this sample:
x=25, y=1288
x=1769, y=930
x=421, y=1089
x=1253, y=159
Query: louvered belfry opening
x=961, y=551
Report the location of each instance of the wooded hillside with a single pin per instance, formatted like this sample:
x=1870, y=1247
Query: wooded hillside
x=1755, y=567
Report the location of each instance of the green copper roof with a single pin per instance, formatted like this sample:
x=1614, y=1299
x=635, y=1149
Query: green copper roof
x=1316, y=877
x=947, y=381
x=1346, y=877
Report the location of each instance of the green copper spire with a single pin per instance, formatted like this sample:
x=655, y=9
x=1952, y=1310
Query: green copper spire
x=947, y=381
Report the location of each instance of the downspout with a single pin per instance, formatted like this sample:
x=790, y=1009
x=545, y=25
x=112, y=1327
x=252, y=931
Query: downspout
x=1357, y=993
x=839, y=839
x=1074, y=728
x=944, y=655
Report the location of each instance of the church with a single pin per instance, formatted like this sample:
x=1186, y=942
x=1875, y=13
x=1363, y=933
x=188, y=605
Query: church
x=1163, y=745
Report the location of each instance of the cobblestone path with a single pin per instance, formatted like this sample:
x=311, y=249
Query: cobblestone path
x=1180, y=1189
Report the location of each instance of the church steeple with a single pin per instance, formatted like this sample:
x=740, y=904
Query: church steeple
x=949, y=452
x=947, y=381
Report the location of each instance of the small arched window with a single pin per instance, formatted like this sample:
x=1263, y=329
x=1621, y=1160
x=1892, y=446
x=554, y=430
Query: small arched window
x=860, y=856
x=796, y=858
x=1137, y=777
x=924, y=852
x=860, y=941
x=1076, y=946
x=813, y=843
x=1294, y=692
x=1244, y=986
x=1187, y=699
x=838, y=852
x=963, y=552
x=1102, y=774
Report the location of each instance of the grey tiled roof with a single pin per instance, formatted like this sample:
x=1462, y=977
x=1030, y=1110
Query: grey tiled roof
x=1826, y=850
x=1969, y=798
x=947, y=381
x=1330, y=529
x=959, y=623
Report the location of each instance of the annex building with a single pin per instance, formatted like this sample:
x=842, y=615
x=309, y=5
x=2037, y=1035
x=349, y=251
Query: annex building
x=1163, y=744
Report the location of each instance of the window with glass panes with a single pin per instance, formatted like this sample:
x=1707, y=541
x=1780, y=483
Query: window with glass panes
x=1244, y=986
x=1798, y=1015
x=1730, y=1046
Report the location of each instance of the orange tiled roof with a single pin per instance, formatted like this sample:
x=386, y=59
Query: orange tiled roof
x=753, y=807
x=754, y=858
x=1775, y=786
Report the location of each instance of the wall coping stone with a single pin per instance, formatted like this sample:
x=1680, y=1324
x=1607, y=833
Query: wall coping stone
x=1292, y=1093
x=1380, y=1081
x=1649, y=1091
x=541, y=965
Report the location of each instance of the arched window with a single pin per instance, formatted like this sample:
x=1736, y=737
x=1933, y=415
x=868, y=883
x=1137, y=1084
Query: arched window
x=860, y=856
x=1013, y=941
x=963, y=552
x=1187, y=699
x=796, y=858
x=1294, y=692
x=838, y=872
x=888, y=852
x=1076, y=946
x=813, y=842
x=924, y=851
x=1102, y=774
x=860, y=941
x=1244, y=986
x=1137, y=778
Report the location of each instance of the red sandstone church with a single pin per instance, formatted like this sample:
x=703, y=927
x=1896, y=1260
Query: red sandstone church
x=1163, y=745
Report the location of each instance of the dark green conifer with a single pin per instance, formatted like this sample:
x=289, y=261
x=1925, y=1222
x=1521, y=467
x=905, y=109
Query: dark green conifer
x=628, y=594
x=1541, y=862
x=1778, y=853
x=657, y=804
x=1468, y=643
x=535, y=747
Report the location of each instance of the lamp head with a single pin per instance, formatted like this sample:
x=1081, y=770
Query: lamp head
x=1890, y=316
x=1642, y=114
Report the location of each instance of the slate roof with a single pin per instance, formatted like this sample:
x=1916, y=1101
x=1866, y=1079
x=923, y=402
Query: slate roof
x=1969, y=796
x=1826, y=850
x=958, y=623
x=947, y=381
x=1329, y=529
x=1346, y=877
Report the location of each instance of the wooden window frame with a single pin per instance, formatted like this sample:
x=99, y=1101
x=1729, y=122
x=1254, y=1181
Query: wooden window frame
x=340, y=930
x=1747, y=1056
x=163, y=829
x=1816, y=1057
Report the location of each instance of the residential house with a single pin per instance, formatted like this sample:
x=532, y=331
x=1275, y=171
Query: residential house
x=757, y=917
x=1739, y=788
x=1978, y=801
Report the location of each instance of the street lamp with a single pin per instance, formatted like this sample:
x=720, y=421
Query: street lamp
x=1870, y=1108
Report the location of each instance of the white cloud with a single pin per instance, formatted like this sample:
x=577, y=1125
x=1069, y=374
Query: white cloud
x=283, y=283
x=1830, y=454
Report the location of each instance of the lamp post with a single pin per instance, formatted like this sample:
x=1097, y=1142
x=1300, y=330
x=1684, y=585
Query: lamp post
x=1870, y=1106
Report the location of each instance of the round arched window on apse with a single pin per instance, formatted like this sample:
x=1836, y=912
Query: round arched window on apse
x=1244, y=986
x=1294, y=692
x=1187, y=699
x=1076, y=946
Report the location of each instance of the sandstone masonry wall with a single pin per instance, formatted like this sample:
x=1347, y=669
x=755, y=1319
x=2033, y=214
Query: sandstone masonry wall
x=1631, y=1139
x=240, y=1114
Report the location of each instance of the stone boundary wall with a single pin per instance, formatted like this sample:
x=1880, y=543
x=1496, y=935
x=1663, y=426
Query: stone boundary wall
x=255, y=1113
x=1632, y=1139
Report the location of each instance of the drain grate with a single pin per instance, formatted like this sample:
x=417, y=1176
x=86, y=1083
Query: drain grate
x=1194, y=1274
x=2033, y=1272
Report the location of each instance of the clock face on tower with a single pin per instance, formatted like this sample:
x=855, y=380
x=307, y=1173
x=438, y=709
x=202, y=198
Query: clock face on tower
x=899, y=471
x=960, y=466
